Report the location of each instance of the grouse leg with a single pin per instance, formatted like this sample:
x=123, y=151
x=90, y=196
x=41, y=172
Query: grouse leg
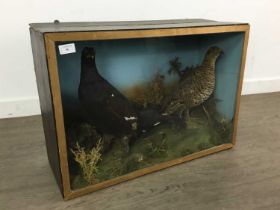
x=191, y=122
x=181, y=112
x=187, y=115
x=206, y=113
x=125, y=143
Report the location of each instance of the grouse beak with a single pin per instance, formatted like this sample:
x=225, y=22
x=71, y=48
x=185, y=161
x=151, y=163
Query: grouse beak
x=222, y=53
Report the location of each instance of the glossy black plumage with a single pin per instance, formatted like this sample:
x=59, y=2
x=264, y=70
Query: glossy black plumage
x=105, y=106
x=151, y=118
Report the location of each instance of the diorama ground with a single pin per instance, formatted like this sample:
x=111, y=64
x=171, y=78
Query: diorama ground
x=163, y=143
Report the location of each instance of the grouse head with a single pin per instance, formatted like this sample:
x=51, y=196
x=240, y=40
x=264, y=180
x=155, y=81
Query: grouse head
x=214, y=52
x=88, y=55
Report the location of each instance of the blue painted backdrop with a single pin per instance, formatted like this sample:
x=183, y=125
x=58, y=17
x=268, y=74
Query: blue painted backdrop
x=125, y=63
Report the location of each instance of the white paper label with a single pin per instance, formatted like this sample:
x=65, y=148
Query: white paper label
x=67, y=48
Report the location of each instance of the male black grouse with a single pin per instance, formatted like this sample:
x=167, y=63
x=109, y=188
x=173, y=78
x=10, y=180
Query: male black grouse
x=109, y=110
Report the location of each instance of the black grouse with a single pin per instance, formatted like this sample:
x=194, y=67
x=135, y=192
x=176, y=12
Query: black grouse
x=195, y=86
x=109, y=110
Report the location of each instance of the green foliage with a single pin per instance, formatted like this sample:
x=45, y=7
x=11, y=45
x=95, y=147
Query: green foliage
x=204, y=145
x=220, y=127
x=157, y=148
x=113, y=162
x=224, y=128
x=186, y=152
x=134, y=162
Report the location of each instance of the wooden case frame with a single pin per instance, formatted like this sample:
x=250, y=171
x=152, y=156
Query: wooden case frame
x=45, y=61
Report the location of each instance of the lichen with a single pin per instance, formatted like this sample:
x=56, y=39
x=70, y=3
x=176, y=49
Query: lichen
x=88, y=160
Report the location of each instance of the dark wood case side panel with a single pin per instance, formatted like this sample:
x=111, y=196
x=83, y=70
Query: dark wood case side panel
x=47, y=111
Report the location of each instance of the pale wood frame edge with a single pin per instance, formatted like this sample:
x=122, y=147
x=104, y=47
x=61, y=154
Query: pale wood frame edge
x=58, y=115
x=240, y=83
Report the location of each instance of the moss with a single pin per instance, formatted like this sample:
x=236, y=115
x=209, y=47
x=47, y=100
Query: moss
x=204, y=145
x=134, y=162
x=112, y=163
x=78, y=182
x=186, y=151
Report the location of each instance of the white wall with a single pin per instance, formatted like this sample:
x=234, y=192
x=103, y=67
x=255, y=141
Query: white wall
x=18, y=92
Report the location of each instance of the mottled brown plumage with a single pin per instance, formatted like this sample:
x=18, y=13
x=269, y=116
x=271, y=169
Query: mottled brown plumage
x=195, y=86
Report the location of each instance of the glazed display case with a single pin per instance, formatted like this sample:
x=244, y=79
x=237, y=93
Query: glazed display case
x=123, y=99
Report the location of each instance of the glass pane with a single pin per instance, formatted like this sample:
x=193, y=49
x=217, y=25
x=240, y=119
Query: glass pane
x=134, y=103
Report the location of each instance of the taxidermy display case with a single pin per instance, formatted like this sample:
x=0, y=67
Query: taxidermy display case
x=124, y=99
